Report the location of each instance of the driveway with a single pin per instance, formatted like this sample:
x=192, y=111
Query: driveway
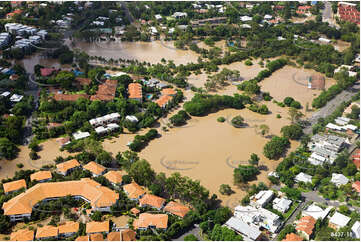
x=195, y=231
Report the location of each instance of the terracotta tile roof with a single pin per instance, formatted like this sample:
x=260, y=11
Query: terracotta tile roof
x=176, y=208
x=17, y=11
x=128, y=235
x=163, y=100
x=113, y=236
x=97, y=227
x=160, y=221
x=168, y=91
x=99, y=196
x=133, y=190
x=46, y=71
x=106, y=91
x=306, y=224
x=83, y=81
x=151, y=200
x=54, y=125
x=135, y=211
x=22, y=235
x=135, y=90
x=114, y=177
x=96, y=237
x=68, y=227
x=94, y=168
x=69, y=97
x=82, y=238
x=40, y=175
x=356, y=186
x=14, y=185
x=14, y=77
x=46, y=231
x=292, y=237
x=65, y=166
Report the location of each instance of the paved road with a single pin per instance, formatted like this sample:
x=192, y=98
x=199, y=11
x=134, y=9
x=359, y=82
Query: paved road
x=331, y=105
x=195, y=231
x=327, y=15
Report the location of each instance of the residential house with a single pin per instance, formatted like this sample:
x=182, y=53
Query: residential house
x=316, y=212
x=96, y=237
x=101, y=198
x=41, y=176
x=47, y=71
x=176, y=209
x=22, y=235
x=133, y=191
x=69, y=97
x=66, y=167
x=114, y=177
x=135, y=92
x=249, y=233
x=83, y=238
x=80, y=135
x=339, y=179
x=179, y=15
x=348, y=12
x=262, y=198
x=152, y=201
x=281, y=204
x=106, y=119
x=15, y=98
x=150, y=220
x=106, y=91
x=95, y=168
x=163, y=101
x=128, y=235
x=338, y=221
x=114, y=236
x=14, y=186
x=304, y=10
x=356, y=230
x=259, y=217
x=292, y=237
x=13, y=13
x=69, y=228
x=356, y=186
x=46, y=232
x=305, y=226
x=132, y=118
x=303, y=177
x=97, y=227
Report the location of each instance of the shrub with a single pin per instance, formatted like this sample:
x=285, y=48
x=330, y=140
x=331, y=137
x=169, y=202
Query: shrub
x=20, y=165
x=248, y=63
x=275, y=147
x=221, y=119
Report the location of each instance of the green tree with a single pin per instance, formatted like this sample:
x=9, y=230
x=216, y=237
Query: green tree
x=275, y=147
x=293, y=131
x=254, y=160
x=225, y=189
x=65, y=79
x=243, y=174
x=142, y=173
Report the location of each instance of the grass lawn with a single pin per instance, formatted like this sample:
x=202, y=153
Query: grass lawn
x=289, y=212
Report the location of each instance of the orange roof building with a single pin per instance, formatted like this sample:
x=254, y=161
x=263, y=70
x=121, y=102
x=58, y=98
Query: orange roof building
x=68, y=229
x=12, y=14
x=100, y=197
x=163, y=100
x=113, y=236
x=14, y=186
x=135, y=91
x=152, y=201
x=41, y=176
x=292, y=237
x=176, y=209
x=83, y=81
x=159, y=221
x=356, y=186
x=22, y=235
x=168, y=91
x=97, y=227
x=95, y=168
x=69, y=97
x=106, y=91
x=305, y=226
x=96, y=237
x=67, y=166
x=82, y=238
x=133, y=191
x=46, y=232
x=135, y=211
x=115, y=177
x=128, y=235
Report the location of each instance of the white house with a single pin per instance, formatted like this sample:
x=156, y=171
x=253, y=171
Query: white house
x=316, y=212
x=131, y=118
x=262, y=198
x=158, y=17
x=339, y=179
x=16, y=98
x=356, y=230
x=245, y=18
x=316, y=159
x=248, y=232
x=302, y=177
x=324, y=40
x=268, y=17
x=80, y=135
x=281, y=204
x=338, y=221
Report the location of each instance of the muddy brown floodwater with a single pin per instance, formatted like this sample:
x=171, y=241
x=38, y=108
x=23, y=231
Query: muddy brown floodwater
x=152, y=52
x=292, y=82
